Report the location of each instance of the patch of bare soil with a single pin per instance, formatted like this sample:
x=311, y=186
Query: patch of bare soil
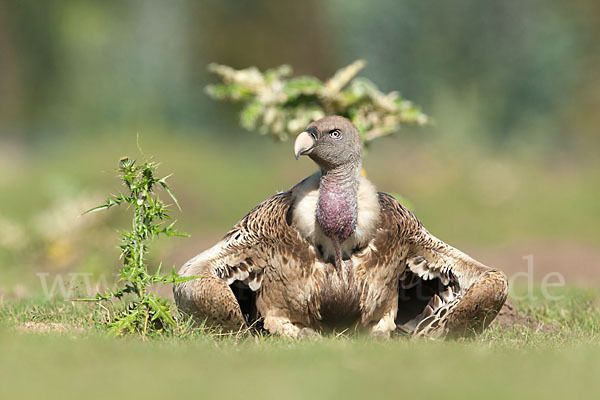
x=47, y=327
x=509, y=318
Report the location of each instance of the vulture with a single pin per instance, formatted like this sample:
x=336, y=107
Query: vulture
x=333, y=254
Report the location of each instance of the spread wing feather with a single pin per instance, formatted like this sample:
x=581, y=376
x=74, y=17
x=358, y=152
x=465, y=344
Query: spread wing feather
x=427, y=256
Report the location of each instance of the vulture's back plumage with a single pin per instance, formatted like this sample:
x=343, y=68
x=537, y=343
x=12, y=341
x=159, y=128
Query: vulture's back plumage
x=297, y=267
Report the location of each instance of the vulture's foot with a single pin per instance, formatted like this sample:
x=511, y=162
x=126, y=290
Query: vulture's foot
x=280, y=325
x=308, y=333
x=385, y=326
x=209, y=300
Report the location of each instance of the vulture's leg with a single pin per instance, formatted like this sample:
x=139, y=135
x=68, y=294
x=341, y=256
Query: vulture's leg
x=479, y=306
x=209, y=299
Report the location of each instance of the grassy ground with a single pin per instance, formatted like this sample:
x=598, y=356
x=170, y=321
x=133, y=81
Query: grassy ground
x=83, y=360
x=483, y=199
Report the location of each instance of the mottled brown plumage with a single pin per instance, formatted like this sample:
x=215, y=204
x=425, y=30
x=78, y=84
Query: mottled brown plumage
x=279, y=266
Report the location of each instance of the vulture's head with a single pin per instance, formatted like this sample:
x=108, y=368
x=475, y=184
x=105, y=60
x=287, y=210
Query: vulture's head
x=331, y=142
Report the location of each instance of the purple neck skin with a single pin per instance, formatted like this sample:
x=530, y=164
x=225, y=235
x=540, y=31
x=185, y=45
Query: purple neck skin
x=337, y=208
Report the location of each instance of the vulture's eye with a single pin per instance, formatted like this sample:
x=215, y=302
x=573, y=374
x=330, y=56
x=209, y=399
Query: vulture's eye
x=335, y=133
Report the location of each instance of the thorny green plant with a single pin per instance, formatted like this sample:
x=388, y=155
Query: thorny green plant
x=145, y=312
x=281, y=107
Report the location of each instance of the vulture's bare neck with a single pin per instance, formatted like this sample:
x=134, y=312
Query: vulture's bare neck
x=337, y=207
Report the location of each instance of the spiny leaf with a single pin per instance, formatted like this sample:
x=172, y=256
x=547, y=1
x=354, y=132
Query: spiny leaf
x=163, y=183
x=161, y=310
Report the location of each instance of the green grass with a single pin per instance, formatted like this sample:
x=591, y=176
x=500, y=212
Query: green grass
x=497, y=365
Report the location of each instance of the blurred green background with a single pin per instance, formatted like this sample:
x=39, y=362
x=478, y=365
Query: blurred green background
x=509, y=169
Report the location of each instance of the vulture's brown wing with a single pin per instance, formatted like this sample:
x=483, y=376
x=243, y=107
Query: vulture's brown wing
x=466, y=294
x=263, y=239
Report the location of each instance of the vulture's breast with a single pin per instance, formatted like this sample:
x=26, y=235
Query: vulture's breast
x=339, y=297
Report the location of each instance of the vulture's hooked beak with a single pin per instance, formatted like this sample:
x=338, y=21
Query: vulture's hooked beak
x=304, y=144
